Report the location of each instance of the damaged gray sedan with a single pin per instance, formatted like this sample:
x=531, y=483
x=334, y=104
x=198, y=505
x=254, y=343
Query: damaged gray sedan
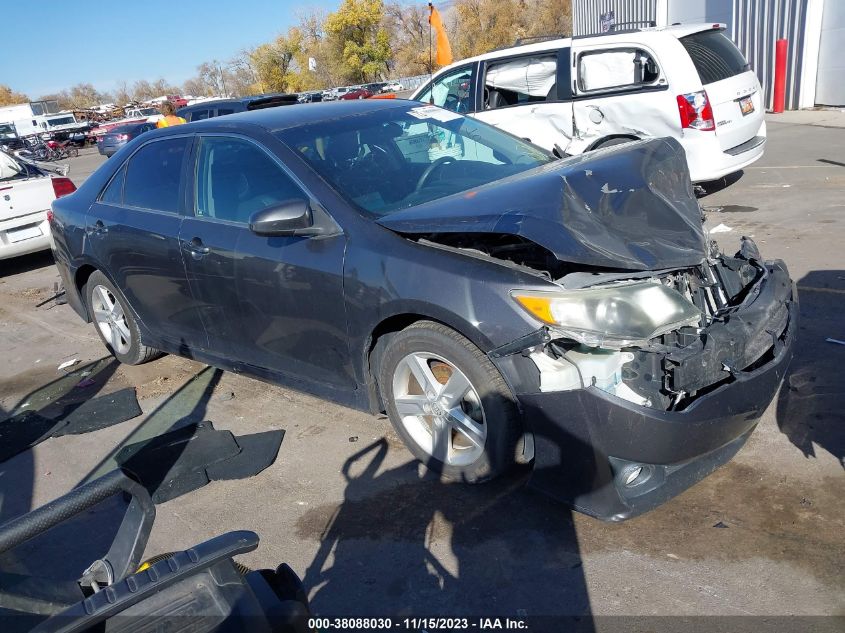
x=500, y=305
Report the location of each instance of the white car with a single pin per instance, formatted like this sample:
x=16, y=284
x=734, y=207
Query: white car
x=393, y=86
x=578, y=94
x=26, y=192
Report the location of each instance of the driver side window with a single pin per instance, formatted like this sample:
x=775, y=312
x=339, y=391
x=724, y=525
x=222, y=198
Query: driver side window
x=452, y=91
x=235, y=178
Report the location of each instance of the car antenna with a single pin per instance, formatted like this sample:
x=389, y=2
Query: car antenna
x=430, y=60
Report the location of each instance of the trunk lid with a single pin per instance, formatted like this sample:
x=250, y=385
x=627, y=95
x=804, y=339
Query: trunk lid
x=630, y=207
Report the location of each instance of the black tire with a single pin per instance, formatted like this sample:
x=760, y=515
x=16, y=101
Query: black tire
x=136, y=353
x=500, y=412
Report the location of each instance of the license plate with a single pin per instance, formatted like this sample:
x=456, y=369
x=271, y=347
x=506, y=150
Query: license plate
x=19, y=235
x=746, y=105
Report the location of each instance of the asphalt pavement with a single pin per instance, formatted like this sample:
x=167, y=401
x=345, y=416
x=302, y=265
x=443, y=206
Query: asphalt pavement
x=371, y=533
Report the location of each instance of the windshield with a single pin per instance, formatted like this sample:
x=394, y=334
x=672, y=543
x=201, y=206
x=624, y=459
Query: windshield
x=396, y=158
x=148, y=111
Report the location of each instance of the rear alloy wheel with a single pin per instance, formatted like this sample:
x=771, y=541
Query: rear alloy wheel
x=114, y=322
x=449, y=403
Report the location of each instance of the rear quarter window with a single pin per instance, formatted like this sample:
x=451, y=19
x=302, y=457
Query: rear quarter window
x=715, y=57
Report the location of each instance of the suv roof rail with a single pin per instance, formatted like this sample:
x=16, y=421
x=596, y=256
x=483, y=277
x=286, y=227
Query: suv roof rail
x=615, y=30
x=538, y=38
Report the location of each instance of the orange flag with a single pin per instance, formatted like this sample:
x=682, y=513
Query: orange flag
x=444, y=50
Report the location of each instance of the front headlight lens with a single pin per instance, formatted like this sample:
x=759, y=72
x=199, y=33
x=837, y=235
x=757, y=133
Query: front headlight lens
x=611, y=316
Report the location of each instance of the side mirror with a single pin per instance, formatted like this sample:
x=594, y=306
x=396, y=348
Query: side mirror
x=285, y=218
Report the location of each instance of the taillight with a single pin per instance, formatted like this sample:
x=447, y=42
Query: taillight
x=122, y=137
x=63, y=186
x=50, y=216
x=696, y=112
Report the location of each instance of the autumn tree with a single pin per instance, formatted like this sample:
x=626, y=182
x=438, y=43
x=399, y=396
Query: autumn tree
x=274, y=62
x=10, y=97
x=409, y=37
x=357, y=34
x=122, y=95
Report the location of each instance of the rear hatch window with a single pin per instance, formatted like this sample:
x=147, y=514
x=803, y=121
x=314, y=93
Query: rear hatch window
x=714, y=55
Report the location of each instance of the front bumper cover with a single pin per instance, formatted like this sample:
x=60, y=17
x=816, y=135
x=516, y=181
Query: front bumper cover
x=586, y=441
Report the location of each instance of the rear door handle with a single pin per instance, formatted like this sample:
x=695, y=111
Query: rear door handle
x=196, y=248
x=98, y=229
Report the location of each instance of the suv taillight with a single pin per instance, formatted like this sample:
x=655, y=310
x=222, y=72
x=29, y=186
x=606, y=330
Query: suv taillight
x=696, y=112
x=63, y=186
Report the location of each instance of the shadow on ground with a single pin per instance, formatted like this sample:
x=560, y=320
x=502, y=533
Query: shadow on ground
x=811, y=405
x=405, y=543
x=26, y=263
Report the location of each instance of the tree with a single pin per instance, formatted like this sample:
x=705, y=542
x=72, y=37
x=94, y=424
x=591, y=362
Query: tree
x=82, y=96
x=142, y=90
x=10, y=97
x=357, y=33
x=409, y=36
x=122, y=96
x=274, y=63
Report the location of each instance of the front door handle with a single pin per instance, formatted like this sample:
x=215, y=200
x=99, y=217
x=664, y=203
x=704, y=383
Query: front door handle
x=196, y=248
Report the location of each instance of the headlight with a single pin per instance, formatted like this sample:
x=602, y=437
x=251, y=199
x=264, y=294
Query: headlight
x=611, y=316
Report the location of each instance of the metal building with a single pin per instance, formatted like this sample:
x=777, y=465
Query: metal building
x=815, y=70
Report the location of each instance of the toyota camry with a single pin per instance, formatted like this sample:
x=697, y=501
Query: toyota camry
x=500, y=304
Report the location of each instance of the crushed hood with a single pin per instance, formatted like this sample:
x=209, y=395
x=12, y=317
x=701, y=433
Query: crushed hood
x=630, y=207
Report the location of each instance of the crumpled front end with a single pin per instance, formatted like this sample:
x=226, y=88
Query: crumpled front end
x=620, y=425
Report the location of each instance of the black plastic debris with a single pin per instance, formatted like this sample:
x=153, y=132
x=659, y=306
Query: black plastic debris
x=29, y=428
x=720, y=525
x=190, y=457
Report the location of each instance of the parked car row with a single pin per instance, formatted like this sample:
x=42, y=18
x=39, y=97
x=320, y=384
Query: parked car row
x=334, y=94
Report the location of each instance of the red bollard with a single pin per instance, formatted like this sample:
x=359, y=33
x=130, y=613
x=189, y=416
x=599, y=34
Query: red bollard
x=779, y=92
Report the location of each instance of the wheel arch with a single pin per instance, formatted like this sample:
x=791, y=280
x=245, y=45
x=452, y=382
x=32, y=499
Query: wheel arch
x=610, y=137
x=380, y=334
x=80, y=280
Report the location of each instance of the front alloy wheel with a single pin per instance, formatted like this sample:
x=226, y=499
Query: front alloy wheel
x=439, y=408
x=448, y=402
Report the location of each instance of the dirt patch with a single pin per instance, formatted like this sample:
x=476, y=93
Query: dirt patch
x=161, y=377
x=766, y=516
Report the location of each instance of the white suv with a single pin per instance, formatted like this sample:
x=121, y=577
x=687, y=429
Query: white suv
x=689, y=82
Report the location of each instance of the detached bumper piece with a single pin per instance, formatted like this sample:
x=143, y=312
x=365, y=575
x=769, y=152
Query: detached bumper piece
x=614, y=459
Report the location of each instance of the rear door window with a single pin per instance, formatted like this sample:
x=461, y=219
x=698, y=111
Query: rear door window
x=224, y=111
x=154, y=174
x=521, y=80
x=616, y=69
x=715, y=57
x=198, y=115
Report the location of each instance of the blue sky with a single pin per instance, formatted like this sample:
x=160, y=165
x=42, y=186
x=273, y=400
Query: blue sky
x=62, y=43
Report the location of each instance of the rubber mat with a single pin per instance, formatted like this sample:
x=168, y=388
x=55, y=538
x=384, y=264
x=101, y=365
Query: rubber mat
x=190, y=457
x=29, y=428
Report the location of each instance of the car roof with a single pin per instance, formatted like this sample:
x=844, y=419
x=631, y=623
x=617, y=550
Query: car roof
x=676, y=30
x=274, y=119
